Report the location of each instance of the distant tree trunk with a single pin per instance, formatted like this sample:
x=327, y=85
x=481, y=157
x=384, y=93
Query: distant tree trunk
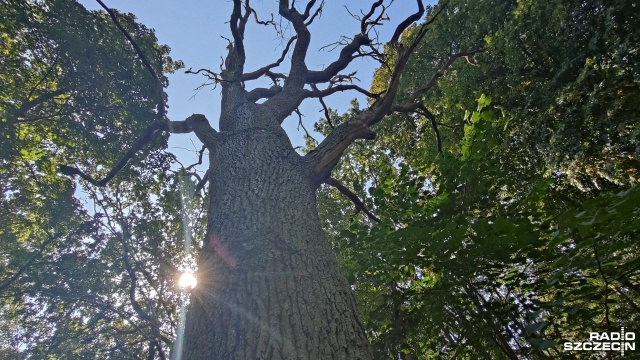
x=269, y=286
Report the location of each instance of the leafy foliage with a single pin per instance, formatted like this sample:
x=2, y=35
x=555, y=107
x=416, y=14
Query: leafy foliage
x=522, y=233
x=68, y=82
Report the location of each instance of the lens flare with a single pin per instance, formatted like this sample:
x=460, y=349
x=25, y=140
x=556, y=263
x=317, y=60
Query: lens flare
x=187, y=281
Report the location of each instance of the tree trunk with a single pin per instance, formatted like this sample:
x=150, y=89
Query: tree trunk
x=269, y=286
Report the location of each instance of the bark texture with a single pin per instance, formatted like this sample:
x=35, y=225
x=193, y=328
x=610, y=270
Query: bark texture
x=269, y=286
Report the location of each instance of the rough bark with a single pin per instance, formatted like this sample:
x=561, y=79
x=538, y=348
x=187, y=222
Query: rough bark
x=269, y=286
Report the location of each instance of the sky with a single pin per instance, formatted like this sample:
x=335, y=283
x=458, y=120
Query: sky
x=195, y=30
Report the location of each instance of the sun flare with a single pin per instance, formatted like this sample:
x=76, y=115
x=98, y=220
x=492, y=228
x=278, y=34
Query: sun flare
x=187, y=281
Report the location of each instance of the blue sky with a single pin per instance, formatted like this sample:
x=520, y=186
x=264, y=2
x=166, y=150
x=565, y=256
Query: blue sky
x=194, y=29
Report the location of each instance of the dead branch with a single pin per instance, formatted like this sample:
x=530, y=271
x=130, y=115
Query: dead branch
x=200, y=155
x=326, y=111
x=329, y=151
x=265, y=69
x=236, y=52
x=407, y=22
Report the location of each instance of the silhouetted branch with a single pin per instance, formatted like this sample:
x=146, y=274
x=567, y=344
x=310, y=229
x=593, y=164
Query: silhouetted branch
x=265, y=69
x=159, y=87
x=429, y=115
x=202, y=182
x=353, y=197
x=146, y=137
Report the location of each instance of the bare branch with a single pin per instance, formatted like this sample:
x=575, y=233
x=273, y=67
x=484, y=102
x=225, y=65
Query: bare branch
x=367, y=16
x=328, y=153
x=200, y=155
x=326, y=111
x=407, y=22
x=213, y=76
x=261, y=22
x=202, y=182
x=298, y=66
x=301, y=124
x=344, y=59
x=236, y=56
x=263, y=93
x=265, y=69
x=360, y=206
x=316, y=93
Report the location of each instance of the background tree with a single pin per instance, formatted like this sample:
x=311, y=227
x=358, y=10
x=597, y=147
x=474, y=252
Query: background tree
x=500, y=236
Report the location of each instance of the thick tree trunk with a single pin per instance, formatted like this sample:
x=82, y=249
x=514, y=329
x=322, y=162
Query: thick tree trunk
x=269, y=286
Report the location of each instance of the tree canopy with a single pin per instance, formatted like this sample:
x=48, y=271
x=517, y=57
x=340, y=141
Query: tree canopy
x=508, y=210
x=495, y=215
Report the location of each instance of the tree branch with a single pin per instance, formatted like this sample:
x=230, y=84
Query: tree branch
x=237, y=31
x=325, y=157
x=344, y=59
x=407, y=22
x=265, y=69
x=353, y=197
x=29, y=105
x=146, y=137
x=199, y=124
x=162, y=105
x=429, y=115
x=196, y=123
x=439, y=73
x=298, y=66
x=317, y=93
x=263, y=93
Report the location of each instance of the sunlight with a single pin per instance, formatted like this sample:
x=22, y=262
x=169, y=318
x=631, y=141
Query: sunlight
x=187, y=281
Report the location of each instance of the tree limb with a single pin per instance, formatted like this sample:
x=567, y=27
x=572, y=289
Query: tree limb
x=196, y=123
x=429, y=115
x=353, y=197
x=329, y=151
x=317, y=93
x=265, y=69
x=237, y=31
x=162, y=105
x=263, y=93
x=29, y=105
x=146, y=137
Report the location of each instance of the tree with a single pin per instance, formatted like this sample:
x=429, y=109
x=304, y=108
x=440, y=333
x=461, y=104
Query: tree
x=495, y=212
x=503, y=241
x=268, y=282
